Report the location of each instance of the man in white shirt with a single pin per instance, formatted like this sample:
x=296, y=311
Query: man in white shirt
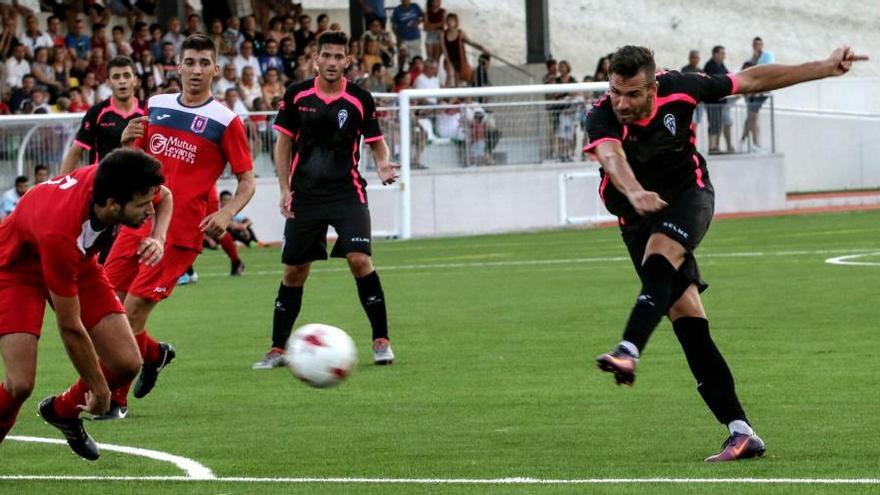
x=428, y=80
x=227, y=80
x=17, y=66
x=33, y=38
x=11, y=197
x=246, y=59
x=174, y=36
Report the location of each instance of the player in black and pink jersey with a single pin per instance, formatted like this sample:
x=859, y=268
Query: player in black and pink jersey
x=320, y=125
x=658, y=186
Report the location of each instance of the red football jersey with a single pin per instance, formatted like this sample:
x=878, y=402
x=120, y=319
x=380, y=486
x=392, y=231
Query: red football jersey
x=49, y=236
x=194, y=144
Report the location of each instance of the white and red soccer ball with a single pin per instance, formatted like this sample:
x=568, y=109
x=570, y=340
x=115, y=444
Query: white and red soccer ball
x=321, y=355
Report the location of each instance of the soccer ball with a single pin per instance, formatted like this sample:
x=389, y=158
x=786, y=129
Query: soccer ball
x=321, y=355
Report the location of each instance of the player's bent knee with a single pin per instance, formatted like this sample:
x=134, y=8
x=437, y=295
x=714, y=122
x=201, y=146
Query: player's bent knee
x=296, y=275
x=19, y=387
x=360, y=264
x=688, y=305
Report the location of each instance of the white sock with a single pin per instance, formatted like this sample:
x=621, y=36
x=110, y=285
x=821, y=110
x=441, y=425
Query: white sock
x=740, y=426
x=630, y=348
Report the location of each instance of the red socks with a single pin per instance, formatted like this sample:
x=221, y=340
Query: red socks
x=228, y=245
x=149, y=348
x=9, y=407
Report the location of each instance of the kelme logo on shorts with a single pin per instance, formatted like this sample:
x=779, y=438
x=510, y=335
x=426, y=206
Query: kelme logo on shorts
x=341, y=117
x=669, y=122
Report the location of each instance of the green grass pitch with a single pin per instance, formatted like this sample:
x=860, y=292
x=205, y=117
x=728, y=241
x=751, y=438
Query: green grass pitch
x=495, y=337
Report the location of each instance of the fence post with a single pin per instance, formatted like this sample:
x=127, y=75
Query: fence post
x=405, y=176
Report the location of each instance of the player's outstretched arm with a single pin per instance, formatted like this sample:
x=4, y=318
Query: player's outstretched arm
x=216, y=223
x=774, y=76
x=82, y=353
x=613, y=160
x=152, y=248
x=71, y=159
x=283, y=148
x=387, y=171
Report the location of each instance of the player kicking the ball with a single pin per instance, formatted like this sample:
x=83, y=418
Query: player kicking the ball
x=660, y=191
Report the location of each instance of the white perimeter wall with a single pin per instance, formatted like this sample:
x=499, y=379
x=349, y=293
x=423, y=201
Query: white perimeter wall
x=511, y=198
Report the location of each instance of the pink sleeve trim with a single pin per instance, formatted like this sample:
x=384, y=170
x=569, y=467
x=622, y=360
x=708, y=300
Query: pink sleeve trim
x=374, y=139
x=590, y=147
x=282, y=130
x=82, y=145
x=734, y=82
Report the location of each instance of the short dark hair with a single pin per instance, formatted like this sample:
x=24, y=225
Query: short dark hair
x=377, y=67
x=304, y=17
x=716, y=49
x=225, y=193
x=322, y=17
x=39, y=168
x=199, y=42
x=629, y=60
x=757, y=38
x=333, y=38
x=21, y=179
x=550, y=61
x=120, y=61
x=124, y=173
x=118, y=28
x=97, y=26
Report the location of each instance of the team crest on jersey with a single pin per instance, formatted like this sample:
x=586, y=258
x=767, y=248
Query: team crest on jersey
x=341, y=117
x=669, y=122
x=199, y=124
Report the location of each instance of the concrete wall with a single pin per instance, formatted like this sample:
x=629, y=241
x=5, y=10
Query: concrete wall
x=526, y=197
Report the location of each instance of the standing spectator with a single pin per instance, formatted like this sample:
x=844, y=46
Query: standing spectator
x=383, y=38
x=552, y=71
x=78, y=42
x=304, y=35
x=755, y=101
x=17, y=67
x=12, y=196
x=374, y=9
x=276, y=31
x=481, y=78
x=693, y=66
x=227, y=79
x=405, y=21
x=376, y=83
x=118, y=46
x=435, y=25
x=99, y=37
x=428, y=80
x=53, y=30
x=601, y=72
x=140, y=37
x=250, y=33
x=249, y=87
x=271, y=59
x=718, y=111
x=458, y=70
x=9, y=37
x=566, y=115
x=323, y=24
x=289, y=57
x=32, y=38
x=247, y=59
x=174, y=34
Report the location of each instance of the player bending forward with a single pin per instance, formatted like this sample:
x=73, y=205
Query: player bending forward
x=660, y=191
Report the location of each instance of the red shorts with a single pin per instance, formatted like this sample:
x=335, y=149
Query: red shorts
x=23, y=298
x=153, y=283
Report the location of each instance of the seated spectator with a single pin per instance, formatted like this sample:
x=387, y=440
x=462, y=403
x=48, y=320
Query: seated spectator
x=355, y=74
x=99, y=37
x=118, y=45
x=250, y=33
x=89, y=89
x=355, y=48
x=193, y=25
x=276, y=30
x=140, y=38
x=216, y=34
x=371, y=54
x=43, y=72
x=167, y=63
x=288, y=57
x=32, y=38
x=40, y=102
x=144, y=66
x=247, y=59
x=17, y=66
x=383, y=38
x=241, y=227
x=272, y=87
x=61, y=65
x=271, y=59
x=98, y=64
x=41, y=174
x=428, y=80
x=232, y=36
x=304, y=35
x=416, y=67
x=155, y=40
x=458, y=70
x=249, y=87
x=12, y=196
x=23, y=94
x=96, y=11
x=449, y=121
x=226, y=80
x=401, y=82
x=77, y=103
x=9, y=37
x=53, y=30
x=233, y=102
x=323, y=24
x=378, y=80
x=174, y=34
x=78, y=43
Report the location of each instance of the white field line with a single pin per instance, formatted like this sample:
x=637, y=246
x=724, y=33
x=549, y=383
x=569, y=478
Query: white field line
x=563, y=261
x=193, y=469
x=848, y=260
x=466, y=481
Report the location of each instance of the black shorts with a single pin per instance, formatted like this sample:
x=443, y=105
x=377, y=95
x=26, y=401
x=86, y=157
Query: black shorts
x=305, y=235
x=685, y=220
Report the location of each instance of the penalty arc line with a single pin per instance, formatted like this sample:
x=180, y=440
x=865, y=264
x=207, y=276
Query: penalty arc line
x=193, y=469
x=464, y=481
x=847, y=260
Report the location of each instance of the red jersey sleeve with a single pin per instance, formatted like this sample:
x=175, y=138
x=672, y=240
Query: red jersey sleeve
x=235, y=147
x=60, y=260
